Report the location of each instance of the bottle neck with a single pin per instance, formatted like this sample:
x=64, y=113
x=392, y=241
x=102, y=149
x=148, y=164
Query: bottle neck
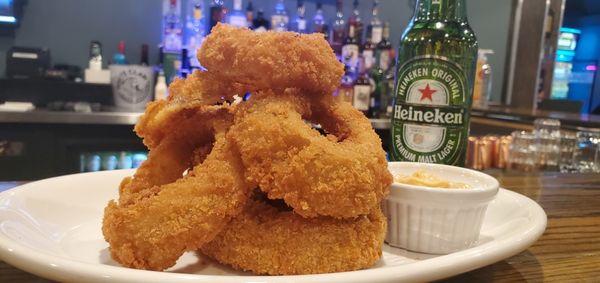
x=300, y=12
x=237, y=5
x=280, y=8
x=351, y=31
x=449, y=10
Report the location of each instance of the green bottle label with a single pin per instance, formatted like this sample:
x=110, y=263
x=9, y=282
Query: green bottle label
x=430, y=116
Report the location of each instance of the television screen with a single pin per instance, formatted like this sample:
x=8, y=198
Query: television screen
x=7, y=12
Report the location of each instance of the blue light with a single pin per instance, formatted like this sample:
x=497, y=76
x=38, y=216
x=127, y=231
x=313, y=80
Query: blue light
x=570, y=30
x=565, y=52
x=564, y=55
x=8, y=19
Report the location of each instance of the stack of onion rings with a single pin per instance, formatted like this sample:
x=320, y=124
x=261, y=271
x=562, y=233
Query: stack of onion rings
x=194, y=191
x=289, y=160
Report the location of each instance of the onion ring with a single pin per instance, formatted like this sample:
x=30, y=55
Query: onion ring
x=341, y=175
x=271, y=60
x=151, y=228
x=267, y=241
x=206, y=88
x=165, y=128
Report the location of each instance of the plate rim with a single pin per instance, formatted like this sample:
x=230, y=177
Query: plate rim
x=60, y=268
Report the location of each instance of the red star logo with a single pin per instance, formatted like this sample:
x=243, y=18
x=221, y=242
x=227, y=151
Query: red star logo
x=426, y=93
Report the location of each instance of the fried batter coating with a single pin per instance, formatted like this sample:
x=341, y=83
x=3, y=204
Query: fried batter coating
x=333, y=183
x=154, y=231
x=205, y=88
x=164, y=118
x=265, y=240
x=342, y=175
x=172, y=131
x=271, y=60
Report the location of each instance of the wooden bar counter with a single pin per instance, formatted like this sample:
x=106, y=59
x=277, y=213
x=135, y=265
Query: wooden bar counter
x=569, y=250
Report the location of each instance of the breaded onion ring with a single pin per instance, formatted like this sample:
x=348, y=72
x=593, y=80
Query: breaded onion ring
x=265, y=240
x=165, y=118
x=271, y=60
x=172, y=131
x=206, y=88
x=162, y=222
x=341, y=175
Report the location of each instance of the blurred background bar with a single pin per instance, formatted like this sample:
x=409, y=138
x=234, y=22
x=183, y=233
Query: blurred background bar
x=64, y=107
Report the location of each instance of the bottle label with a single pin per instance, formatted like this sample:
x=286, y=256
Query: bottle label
x=279, y=22
x=429, y=119
x=376, y=34
x=238, y=21
x=197, y=13
x=350, y=53
x=362, y=95
x=301, y=25
x=369, y=58
x=275, y=20
x=384, y=59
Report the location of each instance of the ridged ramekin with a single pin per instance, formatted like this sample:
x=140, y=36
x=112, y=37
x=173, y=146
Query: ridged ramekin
x=437, y=220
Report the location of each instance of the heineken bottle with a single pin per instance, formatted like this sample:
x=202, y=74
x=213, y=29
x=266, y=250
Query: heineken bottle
x=433, y=90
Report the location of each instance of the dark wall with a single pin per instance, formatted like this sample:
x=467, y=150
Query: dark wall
x=67, y=26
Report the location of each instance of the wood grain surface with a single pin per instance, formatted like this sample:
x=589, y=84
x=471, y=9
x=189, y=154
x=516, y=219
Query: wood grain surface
x=569, y=250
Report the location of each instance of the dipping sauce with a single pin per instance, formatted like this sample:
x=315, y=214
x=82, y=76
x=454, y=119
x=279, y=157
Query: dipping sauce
x=426, y=179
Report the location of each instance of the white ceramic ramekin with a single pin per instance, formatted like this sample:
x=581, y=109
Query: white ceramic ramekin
x=436, y=220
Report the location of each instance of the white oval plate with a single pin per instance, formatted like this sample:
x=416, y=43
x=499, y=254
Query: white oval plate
x=51, y=228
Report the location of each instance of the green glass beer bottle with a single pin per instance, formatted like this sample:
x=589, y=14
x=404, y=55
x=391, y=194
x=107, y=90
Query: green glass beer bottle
x=435, y=70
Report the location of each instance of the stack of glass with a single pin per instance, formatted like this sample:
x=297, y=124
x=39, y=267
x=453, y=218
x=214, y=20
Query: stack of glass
x=548, y=148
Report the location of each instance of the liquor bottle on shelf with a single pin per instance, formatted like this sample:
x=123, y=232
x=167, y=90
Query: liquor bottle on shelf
x=160, y=89
x=319, y=23
x=161, y=59
x=435, y=71
x=144, y=55
x=261, y=24
x=387, y=90
x=195, y=30
x=172, y=28
x=299, y=23
x=350, y=48
x=368, y=50
x=237, y=17
x=119, y=57
x=280, y=19
x=382, y=51
x=345, y=91
x=95, y=59
x=94, y=72
x=375, y=26
x=185, y=69
x=362, y=92
x=356, y=22
x=218, y=12
x=250, y=13
x=339, y=28
x=379, y=71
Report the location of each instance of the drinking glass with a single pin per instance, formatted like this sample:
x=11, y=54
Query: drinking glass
x=523, y=151
x=586, y=157
x=547, y=134
x=568, y=142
